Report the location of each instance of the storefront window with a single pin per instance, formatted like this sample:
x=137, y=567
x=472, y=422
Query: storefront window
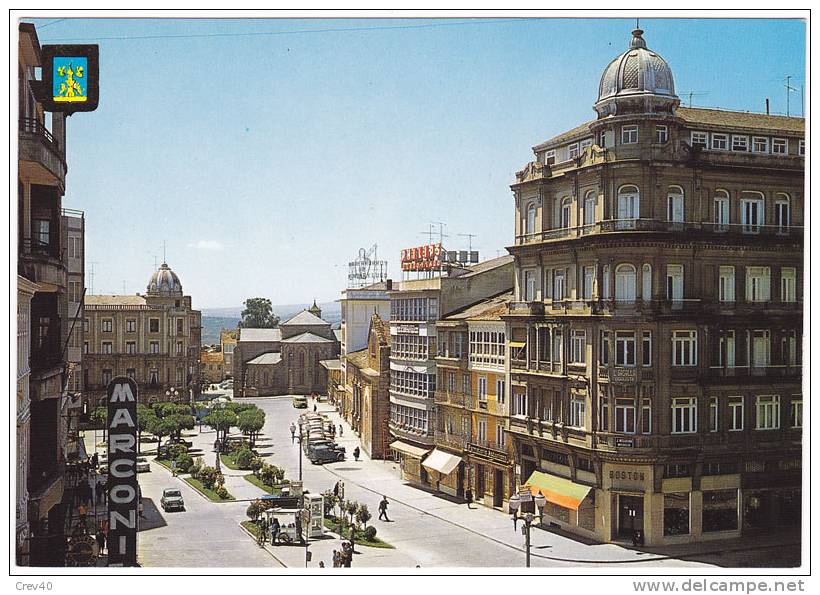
x=676, y=514
x=719, y=510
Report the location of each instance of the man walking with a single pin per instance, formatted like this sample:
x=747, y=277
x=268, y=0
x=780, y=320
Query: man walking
x=383, y=509
x=356, y=453
x=292, y=432
x=468, y=496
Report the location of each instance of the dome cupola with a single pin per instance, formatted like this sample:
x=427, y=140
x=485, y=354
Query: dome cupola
x=164, y=282
x=637, y=81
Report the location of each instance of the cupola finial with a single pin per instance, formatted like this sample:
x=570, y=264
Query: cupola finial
x=637, y=40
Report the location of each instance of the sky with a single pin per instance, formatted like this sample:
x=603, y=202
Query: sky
x=264, y=153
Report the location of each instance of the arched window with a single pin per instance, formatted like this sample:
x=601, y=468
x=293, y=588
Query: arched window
x=566, y=212
x=674, y=209
x=301, y=359
x=530, y=219
x=782, y=212
x=646, y=282
x=629, y=206
x=625, y=283
x=605, y=282
x=721, y=209
x=589, y=208
x=752, y=211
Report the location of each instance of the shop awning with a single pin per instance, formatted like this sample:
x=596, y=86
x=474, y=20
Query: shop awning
x=408, y=449
x=441, y=461
x=517, y=344
x=558, y=490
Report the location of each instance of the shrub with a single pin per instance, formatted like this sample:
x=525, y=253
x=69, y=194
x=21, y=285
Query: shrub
x=184, y=463
x=196, y=469
x=363, y=515
x=222, y=492
x=208, y=475
x=270, y=474
x=254, y=510
x=174, y=451
x=243, y=458
x=256, y=465
x=370, y=533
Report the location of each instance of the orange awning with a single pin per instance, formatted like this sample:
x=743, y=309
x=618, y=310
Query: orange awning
x=557, y=490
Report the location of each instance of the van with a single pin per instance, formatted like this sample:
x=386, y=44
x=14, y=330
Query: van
x=300, y=402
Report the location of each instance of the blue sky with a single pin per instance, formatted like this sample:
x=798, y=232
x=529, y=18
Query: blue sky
x=265, y=160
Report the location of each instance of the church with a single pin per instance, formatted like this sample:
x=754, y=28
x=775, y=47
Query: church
x=286, y=359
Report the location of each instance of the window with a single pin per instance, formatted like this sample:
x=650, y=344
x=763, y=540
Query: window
x=735, y=414
x=530, y=220
x=788, y=282
x=154, y=347
x=153, y=376
x=466, y=385
x=605, y=282
x=713, y=414
x=674, y=282
x=801, y=147
x=768, y=412
x=646, y=281
x=760, y=144
x=179, y=376
x=106, y=377
x=740, y=143
x=499, y=435
x=153, y=325
x=625, y=348
x=674, y=205
x=519, y=404
x=726, y=352
x=781, y=213
x=721, y=210
x=578, y=352
x=629, y=135
x=529, y=286
x=676, y=514
x=577, y=411
x=589, y=208
x=789, y=348
x=86, y=325
x=758, y=284
x=558, y=285
x=130, y=347
x=720, y=508
x=761, y=349
x=796, y=413
x=684, y=348
x=603, y=412
x=487, y=348
x=587, y=142
x=131, y=373
x=107, y=347
x=451, y=382
x=589, y=281
x=557, y=347
x=549, y=157
x=481, y=391
x=625, y=416
x=604, y=348
x=180, y=326
x=41, y=233
x=499, y=390
x=130, y=326
x=85, y=347
x=661, y=134
x=780, y=146
x=646, y=417
x=720, y=142
x=566, y=212
x=684, y=415
x=107, y=325
x=751, y=212
x=75, y=291
x=625, y=283
x=699, y=139
x=179, y=348
x=628, y=204
x=726, y=289
x=573, y=150
x=646, y=348
x=75, y=246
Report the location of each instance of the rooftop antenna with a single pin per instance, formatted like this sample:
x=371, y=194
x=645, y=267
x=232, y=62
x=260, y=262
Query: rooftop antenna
x=429, y=233
x=469, y=237
x=789, y=90
x=91, y=277
x=693, y=94
x=163, y=252
x=155, y=261
x=441, y=234
x=123, y=288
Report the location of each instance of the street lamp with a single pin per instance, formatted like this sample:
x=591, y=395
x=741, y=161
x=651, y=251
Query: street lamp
x=172, y=394
x=528, y=517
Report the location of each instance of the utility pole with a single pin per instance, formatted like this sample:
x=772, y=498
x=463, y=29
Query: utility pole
x=441, y=234
x=91, y=277
x=469, y=237
x=789, y=90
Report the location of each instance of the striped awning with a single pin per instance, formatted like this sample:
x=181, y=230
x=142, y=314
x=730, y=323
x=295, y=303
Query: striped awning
x=442, y=461
x=408, y=449
x=557, y=490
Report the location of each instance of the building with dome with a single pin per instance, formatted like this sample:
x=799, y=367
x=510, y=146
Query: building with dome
x=153, y=338
x=654, y=340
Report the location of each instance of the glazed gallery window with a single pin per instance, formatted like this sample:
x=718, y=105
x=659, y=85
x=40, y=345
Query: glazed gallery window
x=519, y=401
x=629, y=135
x=684, y=415
x=674, y=205
x=412, y=347
x=735, y=405
x=487, y=347
x=676, y=514
x=751, y=212
x=699, y=139
x=767, y=410
x=625, y=416
x=578, y=344
x=720, y=510
x=726, y=285
x=758, y=284
x=414, y=384
x=628, y=203
x=577, y=412
x=684, y=348
x=625, y=276
x=721, y=210
x=720, y=142
x=625, y=348
x=153, y=325
x=661, y=134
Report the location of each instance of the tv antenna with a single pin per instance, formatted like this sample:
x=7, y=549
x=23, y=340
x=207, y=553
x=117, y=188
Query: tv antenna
x=789, y=90
x=469, y=237
x=441, y=234
x=692, y=94
x=91, y=277
x=428, y=233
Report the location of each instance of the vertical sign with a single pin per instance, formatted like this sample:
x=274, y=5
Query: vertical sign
x=123, y=491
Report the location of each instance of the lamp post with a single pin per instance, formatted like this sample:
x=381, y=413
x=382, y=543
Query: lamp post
x=172, y=394
x=528, y=518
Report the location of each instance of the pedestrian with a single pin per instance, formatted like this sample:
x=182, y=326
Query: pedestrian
x=100, y=540
x=321, y=564
x=274, y=531
x=337, y=559
x=95, y=459
x=356, y=453
x=468, y=496
x=314, y=408
x=292, y=432
x=174, y=468
x=336, y=490
x=383, y=509
x=83, y=513
x=341, y=431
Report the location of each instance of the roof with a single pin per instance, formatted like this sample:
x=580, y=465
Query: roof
x=337, y=332
x=488, y=309
x=577, y=132
x=381, y=328
x=260, y=335
x=304, y=318
x=487, y=265
x=212, y=357
x=331, y=364
x=357, y=358
x=266, y=358
x=114, y=300
x=306, y=338
x=733, y=119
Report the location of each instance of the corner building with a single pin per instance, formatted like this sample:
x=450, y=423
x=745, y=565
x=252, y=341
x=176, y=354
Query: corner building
x=654, y=343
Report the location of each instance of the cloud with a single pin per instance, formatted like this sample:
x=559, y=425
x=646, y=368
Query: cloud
x=210, y=245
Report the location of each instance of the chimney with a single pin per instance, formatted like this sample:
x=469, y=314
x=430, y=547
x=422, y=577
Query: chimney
x=767, y=106
x=389, y=284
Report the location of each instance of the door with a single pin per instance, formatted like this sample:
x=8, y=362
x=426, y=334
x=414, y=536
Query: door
x=630, y=515
x=498, y=488
x=479, y=483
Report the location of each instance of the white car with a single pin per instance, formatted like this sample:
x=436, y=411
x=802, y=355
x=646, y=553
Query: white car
x=143, y=465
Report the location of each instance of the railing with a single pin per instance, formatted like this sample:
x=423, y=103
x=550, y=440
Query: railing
x=774, y=371
x=452, y=440
x=37, y=128
x=533, y=308
x=35, y=247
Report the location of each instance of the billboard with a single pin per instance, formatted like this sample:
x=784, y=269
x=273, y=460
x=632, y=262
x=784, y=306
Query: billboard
x=71, y=78
x=422, y=258
x=123, y=490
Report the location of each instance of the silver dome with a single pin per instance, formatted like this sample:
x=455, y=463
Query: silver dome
x=637, y=72
x=164, y=282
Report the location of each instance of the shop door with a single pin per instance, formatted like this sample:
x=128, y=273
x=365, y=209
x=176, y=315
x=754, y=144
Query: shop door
x=460, y=480
x=479, y=482
x=498, y=488
x=630, y=515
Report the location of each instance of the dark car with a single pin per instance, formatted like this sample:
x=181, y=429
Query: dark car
x=172, y=500
x=325, y=453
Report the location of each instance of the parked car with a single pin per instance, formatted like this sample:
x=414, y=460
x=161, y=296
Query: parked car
x=320, y=453
x=300, y=402
x=172, y=500
x=143, y=465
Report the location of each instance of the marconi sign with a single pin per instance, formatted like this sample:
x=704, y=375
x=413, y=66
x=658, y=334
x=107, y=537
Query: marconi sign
x=123, y=491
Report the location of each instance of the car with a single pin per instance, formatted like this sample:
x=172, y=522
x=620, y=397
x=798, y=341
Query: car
x=172, y=500
x=143, y=465
x=300, y=402
x=324, y=452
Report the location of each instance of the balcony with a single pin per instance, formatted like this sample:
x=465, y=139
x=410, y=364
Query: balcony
x=533, y=308
x=454, y=441
x=42, y=160
x=411, y=434
x=454, y=399
x=754, y=374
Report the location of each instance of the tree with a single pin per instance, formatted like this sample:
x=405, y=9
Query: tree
x=100, y=418
x=258, y=313
x=221, y=421
x=250, y=423
x=145, y=417
x=160, y=427
x=363, y=515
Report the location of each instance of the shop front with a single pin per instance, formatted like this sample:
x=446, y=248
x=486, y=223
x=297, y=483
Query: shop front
x=409, y=458
x=569, y=505
x=446, y=472
x=492, y=472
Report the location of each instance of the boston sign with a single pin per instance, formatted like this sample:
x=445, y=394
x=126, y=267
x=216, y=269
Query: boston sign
x=123, y=491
